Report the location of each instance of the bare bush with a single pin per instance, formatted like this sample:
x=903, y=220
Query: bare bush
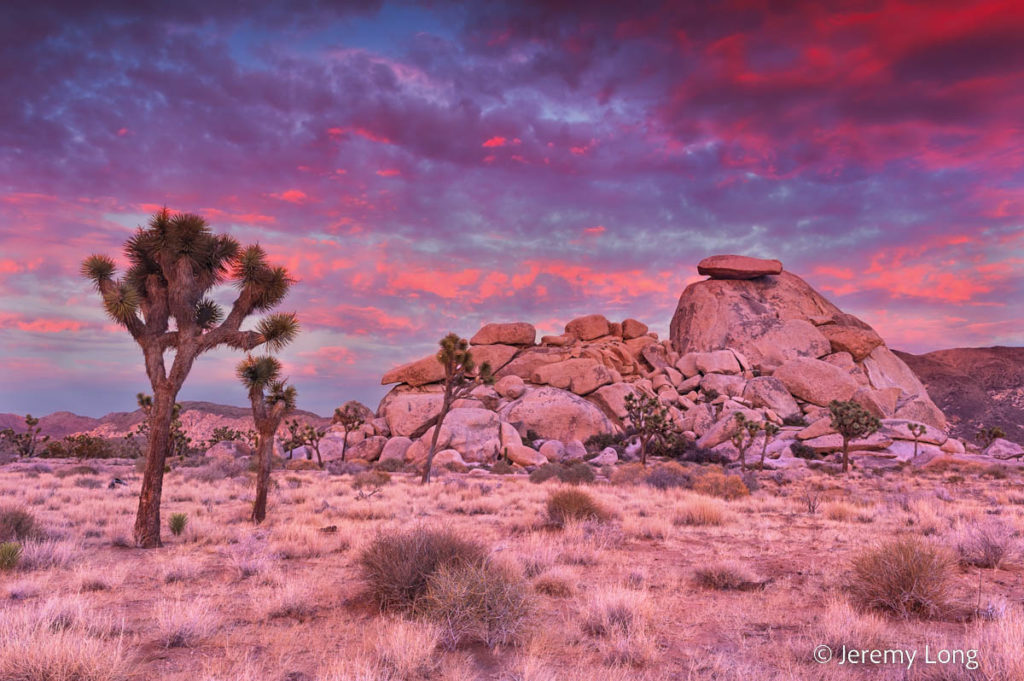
x=904, y=576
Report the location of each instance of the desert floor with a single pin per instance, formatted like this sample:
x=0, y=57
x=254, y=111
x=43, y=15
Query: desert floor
x=229, y=601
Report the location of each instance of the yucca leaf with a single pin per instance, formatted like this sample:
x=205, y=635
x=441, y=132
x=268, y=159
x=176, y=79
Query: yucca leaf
x=98, y=268
x=278, y=330
x=208, y=314
x=121, y=303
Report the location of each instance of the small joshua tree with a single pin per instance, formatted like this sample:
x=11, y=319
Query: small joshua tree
x=649, y=418
x=164, y=303
x=25, y=443
x=350, y=418
x=851, y=421
x=460, y=377
x=744, y=436
x=917, y=430
x=271, y=399
x=770, y=431
x=308, y=436
x=986, y=436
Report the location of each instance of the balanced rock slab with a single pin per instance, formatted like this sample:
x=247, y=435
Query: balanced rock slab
x=737, y=267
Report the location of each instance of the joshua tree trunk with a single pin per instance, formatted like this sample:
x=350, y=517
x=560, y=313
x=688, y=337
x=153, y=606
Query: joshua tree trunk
x=264, y=457
x=433, y=439
x=846, y=454
x=147, y=520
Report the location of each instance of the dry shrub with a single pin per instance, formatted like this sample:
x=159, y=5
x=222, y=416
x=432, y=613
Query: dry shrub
x=32, y=649
x=628, y=474
x=396, y=567
x=717, y=484
x=184, y=624
x=701, y=510
x=985, y=545
x=574, y=504
x=370, y=478
x=726, y=576
x=41, y=555
x=17, y=525
x=290, y=599
x=622, y=622
x=476, y=602
x=557, y=582
x=904, y=576
x=219, y=468
x=669, y=475
x=841, y=625
x=401, y=649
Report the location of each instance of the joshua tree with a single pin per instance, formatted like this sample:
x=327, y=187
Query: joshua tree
x=986, y=436
x=460, y=377
x=852, y=421
x=271, y=399
x=649, y=418
x=174, y=263
x=917, y=430
x=349, y=416
x=180, y=442
x=770, y=431
x=25, y=443
x=308, y=436
x=744, y=436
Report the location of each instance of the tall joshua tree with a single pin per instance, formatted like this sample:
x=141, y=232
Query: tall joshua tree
x=174, y=263
x=851, y=421
x=460, y=377
x=272, y=398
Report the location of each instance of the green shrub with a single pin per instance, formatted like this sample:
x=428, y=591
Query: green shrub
x=396, y=567
x=177, y=523
x=795, y=420
x=904, y=576
x=574, y=474
x=371, y=478
x=726, y=577
x=598, y=442
x=10, y=554
x=574, y=504
x=716, y=484
x=802, y=451
x=17, y=525
x=476, y=601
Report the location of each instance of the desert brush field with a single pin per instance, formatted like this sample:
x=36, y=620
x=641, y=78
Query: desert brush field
x=668, y=572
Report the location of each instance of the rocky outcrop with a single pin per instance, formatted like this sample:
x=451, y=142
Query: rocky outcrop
x=774, y=319
x=555, y=414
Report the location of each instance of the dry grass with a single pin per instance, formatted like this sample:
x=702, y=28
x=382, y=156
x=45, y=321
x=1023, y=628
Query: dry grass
x=611, y=600
x=574, y=504
x=726, y=576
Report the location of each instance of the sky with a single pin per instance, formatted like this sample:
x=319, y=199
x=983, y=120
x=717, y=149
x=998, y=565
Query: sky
x=426, y=167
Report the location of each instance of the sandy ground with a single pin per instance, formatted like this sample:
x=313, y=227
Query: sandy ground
x=285, y=600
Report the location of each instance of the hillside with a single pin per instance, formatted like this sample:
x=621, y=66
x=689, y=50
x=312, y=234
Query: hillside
x=975, y=387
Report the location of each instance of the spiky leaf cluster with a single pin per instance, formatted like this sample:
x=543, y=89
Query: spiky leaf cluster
x=851, y=420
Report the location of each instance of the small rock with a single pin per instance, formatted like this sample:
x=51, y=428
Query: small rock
x=607, y=457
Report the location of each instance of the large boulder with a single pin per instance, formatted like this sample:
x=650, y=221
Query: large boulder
x=368, y=449
x=632, y=328
x=417, y=373
x=737, y=267
x=1004, y=449
x=715, y=314
x=854, y=340
x=395, y=449
x=715, y=362
x=789, y=339
x=589, y=327
x=497, y=356
x=899, y=429
x=408, y=409
x=557, y=415
x=770, y=392
x=886, y=370
x=530, y=359
x=511, y=333
x=475, y=433
x=525, y=456
x=612, y=399
x=510, y=386
x=815, y=381
x=724, y=428
x=582, y=376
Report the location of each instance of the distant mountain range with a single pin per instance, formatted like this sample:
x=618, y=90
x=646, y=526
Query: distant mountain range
x=975, y=387
x=199, y=419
